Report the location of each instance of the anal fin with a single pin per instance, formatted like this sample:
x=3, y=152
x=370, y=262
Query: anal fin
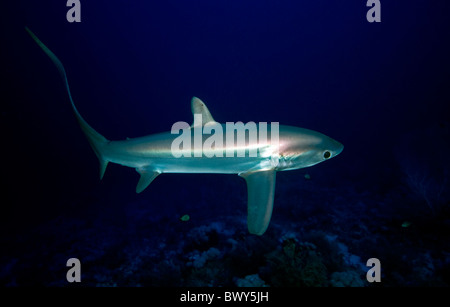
x=147, y=176
x=261, y=192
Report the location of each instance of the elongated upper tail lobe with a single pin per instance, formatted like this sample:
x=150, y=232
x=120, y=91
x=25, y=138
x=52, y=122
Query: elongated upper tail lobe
x=97, y=141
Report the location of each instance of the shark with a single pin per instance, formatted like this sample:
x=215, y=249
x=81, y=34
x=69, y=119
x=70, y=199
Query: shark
x=152, y=155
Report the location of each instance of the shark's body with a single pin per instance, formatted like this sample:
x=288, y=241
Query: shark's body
x=152, y=155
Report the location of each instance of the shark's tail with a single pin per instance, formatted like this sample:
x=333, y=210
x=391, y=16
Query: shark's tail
x=97, y=141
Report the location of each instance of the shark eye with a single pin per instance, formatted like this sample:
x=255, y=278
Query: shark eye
x=326, y=154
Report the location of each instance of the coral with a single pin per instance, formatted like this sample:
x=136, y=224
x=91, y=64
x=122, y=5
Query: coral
x=314, y=273
x=423, y=267
x=341, y=252
x=347, y=279
x=329, y=249
x=296, y=264
x=250, y=281
x=198, y=260
x=205, y=268
x=205, y=236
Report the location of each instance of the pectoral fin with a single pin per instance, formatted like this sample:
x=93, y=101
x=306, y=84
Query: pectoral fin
x=147, y=176
x=261, y=191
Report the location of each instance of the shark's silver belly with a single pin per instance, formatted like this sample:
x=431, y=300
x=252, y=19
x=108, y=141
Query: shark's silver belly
x=155, y=152
x=220, y=165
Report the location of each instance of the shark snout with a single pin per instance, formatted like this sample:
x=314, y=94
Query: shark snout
x=335, y=147
x=339, y=148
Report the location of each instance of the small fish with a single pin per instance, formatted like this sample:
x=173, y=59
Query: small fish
x=185, y=218
x=406, y=224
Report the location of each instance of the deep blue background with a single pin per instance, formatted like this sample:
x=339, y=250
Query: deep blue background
x=133, y=67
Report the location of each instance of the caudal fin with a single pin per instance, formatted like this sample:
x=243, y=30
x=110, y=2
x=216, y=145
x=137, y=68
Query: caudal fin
x=97, y=141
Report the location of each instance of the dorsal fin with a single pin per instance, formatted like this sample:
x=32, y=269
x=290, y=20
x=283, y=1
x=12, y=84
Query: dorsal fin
x=199, y=107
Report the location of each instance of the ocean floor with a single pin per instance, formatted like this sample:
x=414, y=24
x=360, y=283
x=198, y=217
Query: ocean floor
x=320, y=235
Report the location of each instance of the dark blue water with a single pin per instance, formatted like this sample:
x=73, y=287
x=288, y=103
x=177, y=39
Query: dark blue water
x=381, y=89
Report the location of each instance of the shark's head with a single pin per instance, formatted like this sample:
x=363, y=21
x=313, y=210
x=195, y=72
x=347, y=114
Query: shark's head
x=299, y=148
